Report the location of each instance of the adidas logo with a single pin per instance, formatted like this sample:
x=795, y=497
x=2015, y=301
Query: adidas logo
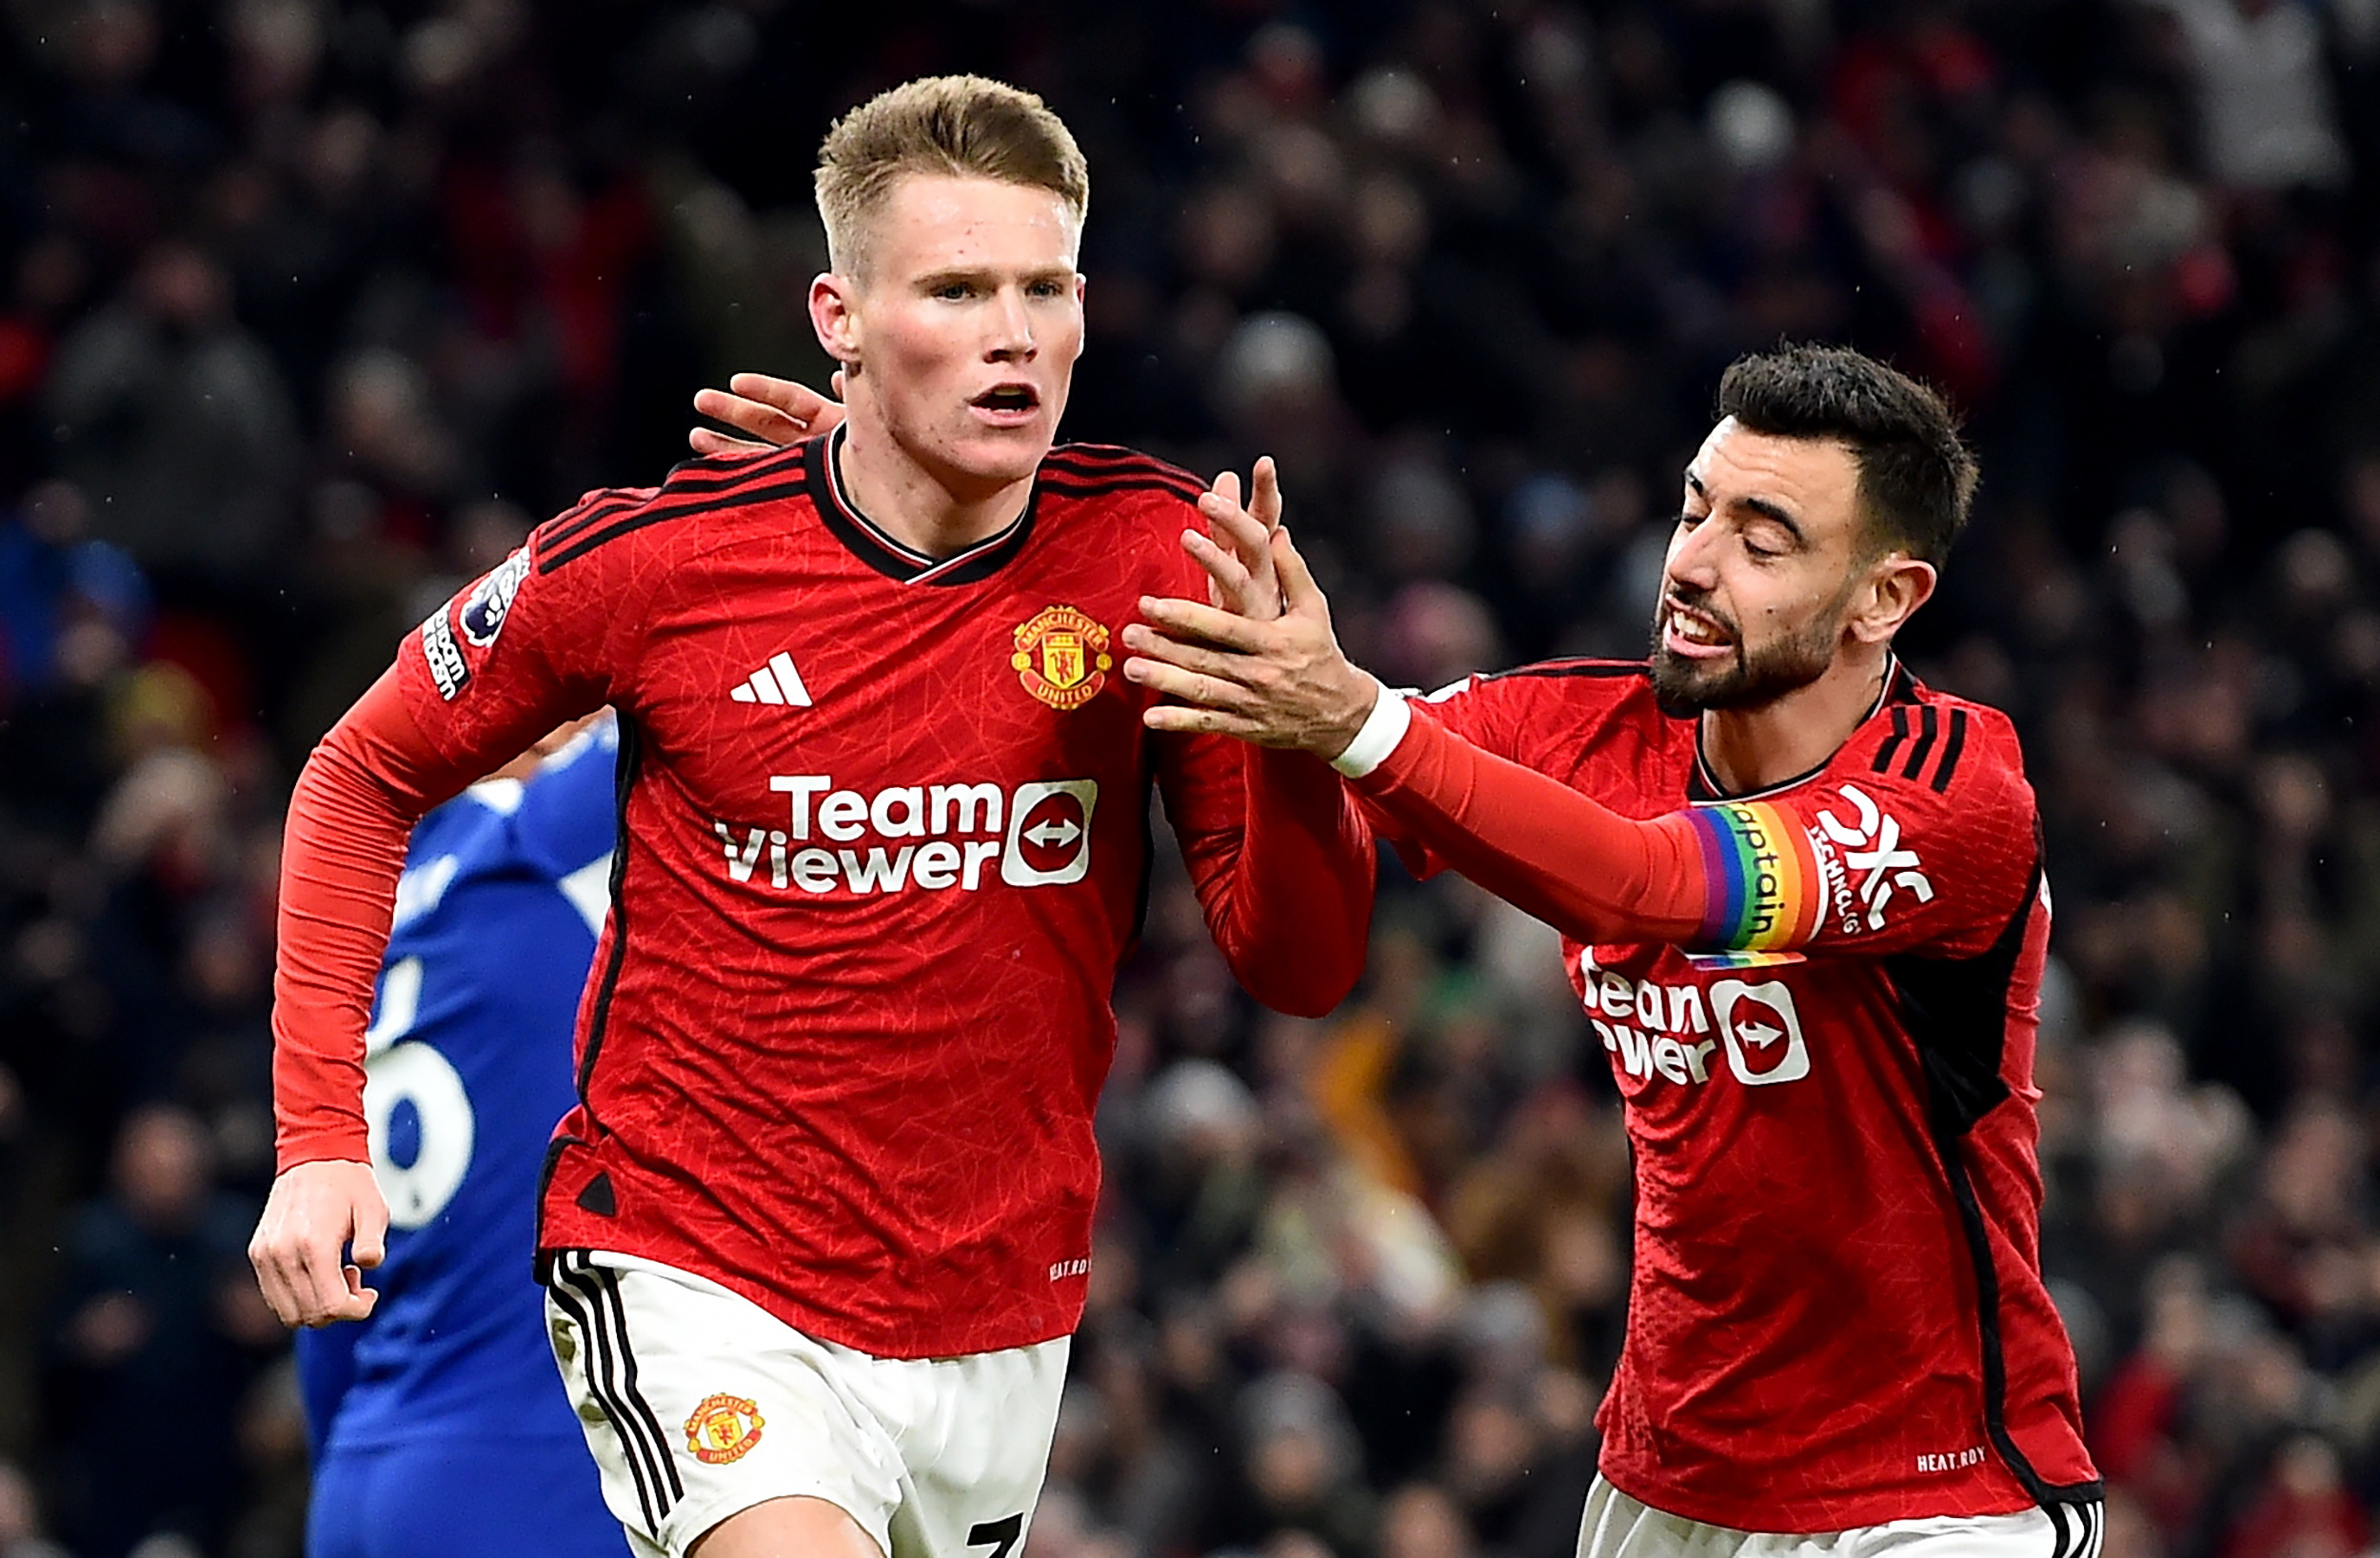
x=776, y=683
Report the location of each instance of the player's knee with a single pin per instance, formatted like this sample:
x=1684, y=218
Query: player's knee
x=786, y=1528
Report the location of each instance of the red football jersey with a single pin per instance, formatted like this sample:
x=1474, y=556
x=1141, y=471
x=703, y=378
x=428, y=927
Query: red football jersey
x=883, y=842
x=1837, y=1316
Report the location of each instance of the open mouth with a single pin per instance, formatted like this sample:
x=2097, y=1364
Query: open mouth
x=1008, y=399
x=1691, y=633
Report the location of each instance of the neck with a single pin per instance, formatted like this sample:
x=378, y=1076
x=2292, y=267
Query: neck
x=937, y=512
x=1752, y=749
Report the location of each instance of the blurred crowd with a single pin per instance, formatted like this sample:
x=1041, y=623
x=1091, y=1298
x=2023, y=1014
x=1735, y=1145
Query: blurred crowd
x=310, y=308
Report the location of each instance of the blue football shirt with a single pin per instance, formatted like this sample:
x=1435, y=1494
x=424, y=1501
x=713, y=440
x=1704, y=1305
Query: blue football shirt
x=468, y=1066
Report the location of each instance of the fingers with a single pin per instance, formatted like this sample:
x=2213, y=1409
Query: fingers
x=719, y=446
x=1229, y=522
x=369, y=1241
x=1297, y=581
x=1189, y=619
x=314, y=1212
x=1234, y=587
x=1265, y=503
x=757, y=418
x=1185, y=720
x=1190, y=657
x=1192, y=687
x=799, y=402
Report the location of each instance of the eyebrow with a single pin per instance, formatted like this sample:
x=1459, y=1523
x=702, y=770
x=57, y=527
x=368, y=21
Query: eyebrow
x=981, y=275
x=1767, y=508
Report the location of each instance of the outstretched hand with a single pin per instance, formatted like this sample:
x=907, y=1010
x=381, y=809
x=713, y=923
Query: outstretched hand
x=1282, y=683
x=774, y=411
x=1236, y=550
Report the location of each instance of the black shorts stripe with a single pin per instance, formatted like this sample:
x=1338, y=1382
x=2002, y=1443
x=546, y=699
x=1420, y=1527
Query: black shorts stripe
x=1952, y=746
x=1892, y=744
x=576, y=1295
x=658, y=510
x=1929, y=721
x=608, y=1281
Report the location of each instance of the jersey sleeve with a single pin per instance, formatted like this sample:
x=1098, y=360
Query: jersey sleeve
x=1278, y=853
x=548, y=635
x=1868, y=863
x=1836, y=864
x=543, y=638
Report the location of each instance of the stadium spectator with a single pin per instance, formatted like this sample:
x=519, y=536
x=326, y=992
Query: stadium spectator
x=1525, y=239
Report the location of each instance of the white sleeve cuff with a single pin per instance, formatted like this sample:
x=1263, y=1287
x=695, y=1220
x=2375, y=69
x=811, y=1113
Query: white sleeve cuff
x=1383, y=729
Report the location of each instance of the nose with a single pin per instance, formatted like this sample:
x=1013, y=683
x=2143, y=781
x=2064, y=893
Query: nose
x=1692, y=562
x=1012, y=330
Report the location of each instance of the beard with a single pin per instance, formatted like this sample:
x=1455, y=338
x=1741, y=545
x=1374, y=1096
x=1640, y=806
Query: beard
x=1682, y=686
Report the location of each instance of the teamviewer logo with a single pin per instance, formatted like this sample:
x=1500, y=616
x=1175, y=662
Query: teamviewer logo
x=1049, y=833
x=1762, y=1031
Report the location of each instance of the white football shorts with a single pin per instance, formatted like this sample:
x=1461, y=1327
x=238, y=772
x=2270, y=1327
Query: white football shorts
x=1619, y=1526
x=698, y=1404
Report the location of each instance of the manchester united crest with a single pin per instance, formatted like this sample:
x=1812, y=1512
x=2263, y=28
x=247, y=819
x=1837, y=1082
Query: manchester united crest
x=722, y=1429
x=1061, y=658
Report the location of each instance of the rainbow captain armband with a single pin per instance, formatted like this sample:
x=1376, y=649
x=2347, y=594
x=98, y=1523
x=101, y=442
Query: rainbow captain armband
x=1765, y=885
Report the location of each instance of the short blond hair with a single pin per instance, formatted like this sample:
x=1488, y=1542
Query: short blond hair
x=965, y=127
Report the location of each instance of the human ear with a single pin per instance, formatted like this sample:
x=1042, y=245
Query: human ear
x=1897, y=585
x=835, y=317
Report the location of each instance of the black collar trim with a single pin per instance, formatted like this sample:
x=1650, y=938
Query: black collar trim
x=867, y=541
x=1703, y=787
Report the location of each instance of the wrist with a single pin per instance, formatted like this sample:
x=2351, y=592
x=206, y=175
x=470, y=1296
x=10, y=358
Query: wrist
x=1382, y=728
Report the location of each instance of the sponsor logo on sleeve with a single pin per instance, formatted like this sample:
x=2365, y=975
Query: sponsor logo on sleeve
x=484, y=612
x=444, y=656
x=1876, y=863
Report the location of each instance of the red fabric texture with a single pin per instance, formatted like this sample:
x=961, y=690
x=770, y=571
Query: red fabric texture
x=342, y=850
x=1538, y=845
x=883, y=843
x=1808, y=1344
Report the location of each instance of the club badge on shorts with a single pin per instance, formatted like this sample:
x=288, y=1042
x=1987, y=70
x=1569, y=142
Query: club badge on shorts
x=1061, y=658
x=722, y=1428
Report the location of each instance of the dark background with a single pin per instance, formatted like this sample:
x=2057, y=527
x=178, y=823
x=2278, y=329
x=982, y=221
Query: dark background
x=310, y=308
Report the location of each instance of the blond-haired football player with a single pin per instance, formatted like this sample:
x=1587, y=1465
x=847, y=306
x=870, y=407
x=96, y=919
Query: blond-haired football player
x=817, y=1230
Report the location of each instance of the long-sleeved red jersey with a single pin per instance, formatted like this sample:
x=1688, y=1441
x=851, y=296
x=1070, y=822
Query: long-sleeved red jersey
x=1837, y=1316
x=882, y=843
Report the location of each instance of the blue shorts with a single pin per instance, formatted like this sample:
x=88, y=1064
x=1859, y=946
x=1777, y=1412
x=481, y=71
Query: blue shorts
x=466, y=1497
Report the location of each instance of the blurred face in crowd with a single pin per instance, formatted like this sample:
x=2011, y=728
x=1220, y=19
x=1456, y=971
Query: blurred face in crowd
x=1771, y=572
x=959, y=333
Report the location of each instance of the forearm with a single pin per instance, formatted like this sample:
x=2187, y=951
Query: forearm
x=1535, y=842
x=342, y=848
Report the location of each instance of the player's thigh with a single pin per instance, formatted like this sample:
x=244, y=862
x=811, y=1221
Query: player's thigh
x=807, y=1526
x=699, y=1404
x=977, y=1450
x=466, y=1497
